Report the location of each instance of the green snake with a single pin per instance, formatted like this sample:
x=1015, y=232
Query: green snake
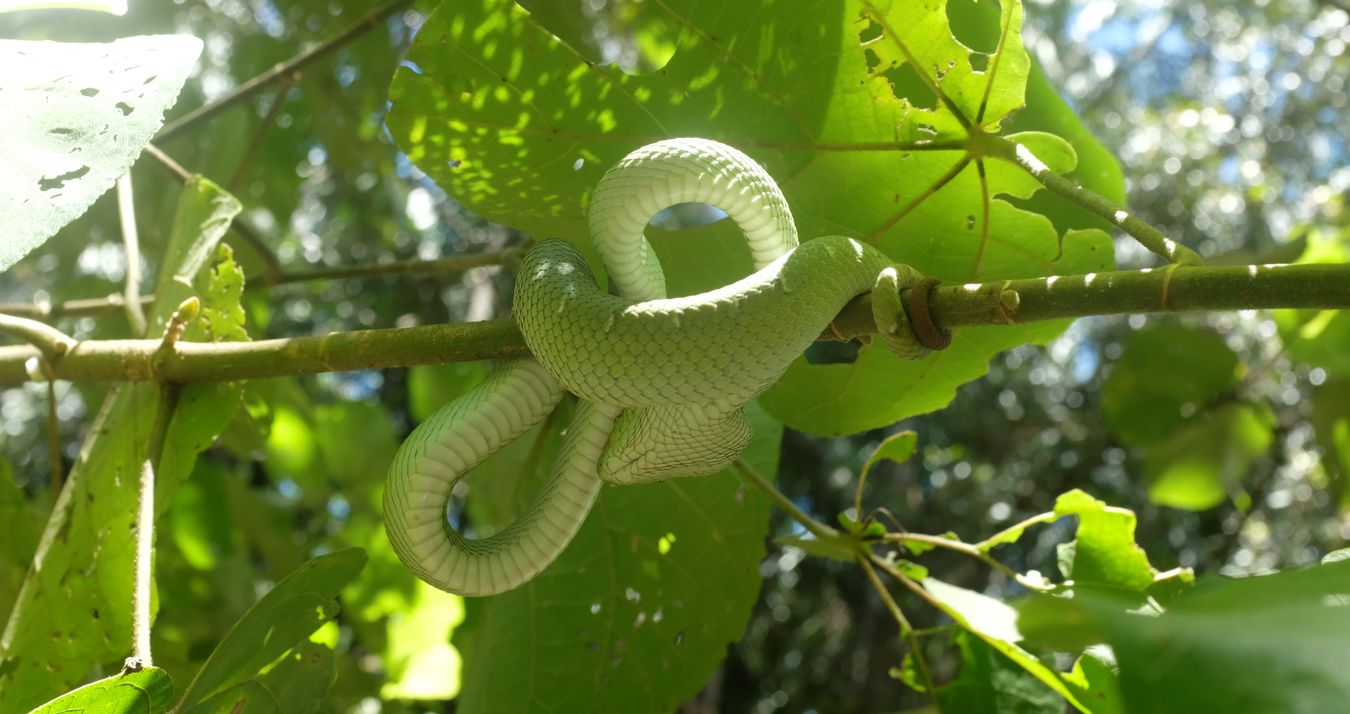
x=661, y=380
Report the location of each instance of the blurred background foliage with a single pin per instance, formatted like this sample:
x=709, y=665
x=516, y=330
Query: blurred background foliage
x=1228, y=124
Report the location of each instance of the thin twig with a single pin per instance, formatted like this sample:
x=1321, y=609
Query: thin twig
x=283, y=69
x=51, y=342
x=278, y=101
x=906, y=629
x=183, y=175
x=998, y=537
x=116, y=302
x=508, y=257
x=964, y=549
x=270, y=260
x=756, y=479
x=1148, y=236
x=126, y=210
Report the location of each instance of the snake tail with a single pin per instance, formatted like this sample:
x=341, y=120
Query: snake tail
x=514, y=397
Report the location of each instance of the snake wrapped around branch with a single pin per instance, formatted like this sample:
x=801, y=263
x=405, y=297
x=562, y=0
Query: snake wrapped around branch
x=661, y=380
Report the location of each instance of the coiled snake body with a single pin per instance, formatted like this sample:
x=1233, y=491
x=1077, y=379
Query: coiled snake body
x=661, y=380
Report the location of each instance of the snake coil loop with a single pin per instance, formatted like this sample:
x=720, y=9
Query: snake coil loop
x=661, y=380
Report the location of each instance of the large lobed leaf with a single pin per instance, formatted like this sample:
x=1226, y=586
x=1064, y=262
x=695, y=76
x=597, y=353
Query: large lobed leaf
x=74, y=117
x=520, y=126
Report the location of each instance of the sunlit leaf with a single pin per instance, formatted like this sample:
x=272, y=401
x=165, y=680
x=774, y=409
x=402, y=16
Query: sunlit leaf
x=75, y=116
x=523, y=132
x=995, y=622
x=149, y=690
x=1262, y=644
x=283, y=617
x=1103, y=551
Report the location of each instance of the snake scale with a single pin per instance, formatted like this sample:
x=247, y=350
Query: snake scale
x=661, y=380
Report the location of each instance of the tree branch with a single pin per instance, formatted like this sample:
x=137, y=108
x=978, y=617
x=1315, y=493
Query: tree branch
x=508, y=257
x=1007, y=302
x=283, y=69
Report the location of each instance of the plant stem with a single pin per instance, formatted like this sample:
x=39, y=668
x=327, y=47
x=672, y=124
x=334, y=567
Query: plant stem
x=48, y=341
x=813, y=526
x=906, y=629
x=509, y=256
x=965, y=549
x=131, y=294
x=995, y=303
x=1037, y=519
x=117, y=302
x=141, y=656
x=240, y=229
x=1147, y=235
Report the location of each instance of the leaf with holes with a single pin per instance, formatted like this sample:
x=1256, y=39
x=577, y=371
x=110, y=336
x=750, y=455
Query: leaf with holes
x=75, y=116
x=860, y=110
x=73, y=612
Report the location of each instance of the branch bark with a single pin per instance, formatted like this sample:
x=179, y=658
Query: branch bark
x=1171, y=289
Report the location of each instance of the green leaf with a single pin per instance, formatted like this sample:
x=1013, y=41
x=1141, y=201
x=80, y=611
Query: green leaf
x=286, y=615
x=638, y=611
x=897, y=447
x=990, y=683
x=73, y=612
x=149, y=690
x=996, y=623
x=1273, y=643
x=1320, y=338
x=523, y=130
x=295, y=684
x=1208, y=458
x=1166, y=373
x=204, y=213
x=1103, y=551
x=76, y=116
x=23, y=526
x=1097, y=168
x=1094, y=679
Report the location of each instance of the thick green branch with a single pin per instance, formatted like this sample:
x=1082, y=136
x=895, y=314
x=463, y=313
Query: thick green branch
x=1171, y=289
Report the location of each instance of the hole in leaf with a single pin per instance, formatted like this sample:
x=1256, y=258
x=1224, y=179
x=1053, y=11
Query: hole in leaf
x=869, y=33
x=48, y=184
x=871, y=58
x=833, y=352
x=61, y=130
x=89, y=92
x=125, y=108
x=979, y=61
x=909, y=86
x=975, y=24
